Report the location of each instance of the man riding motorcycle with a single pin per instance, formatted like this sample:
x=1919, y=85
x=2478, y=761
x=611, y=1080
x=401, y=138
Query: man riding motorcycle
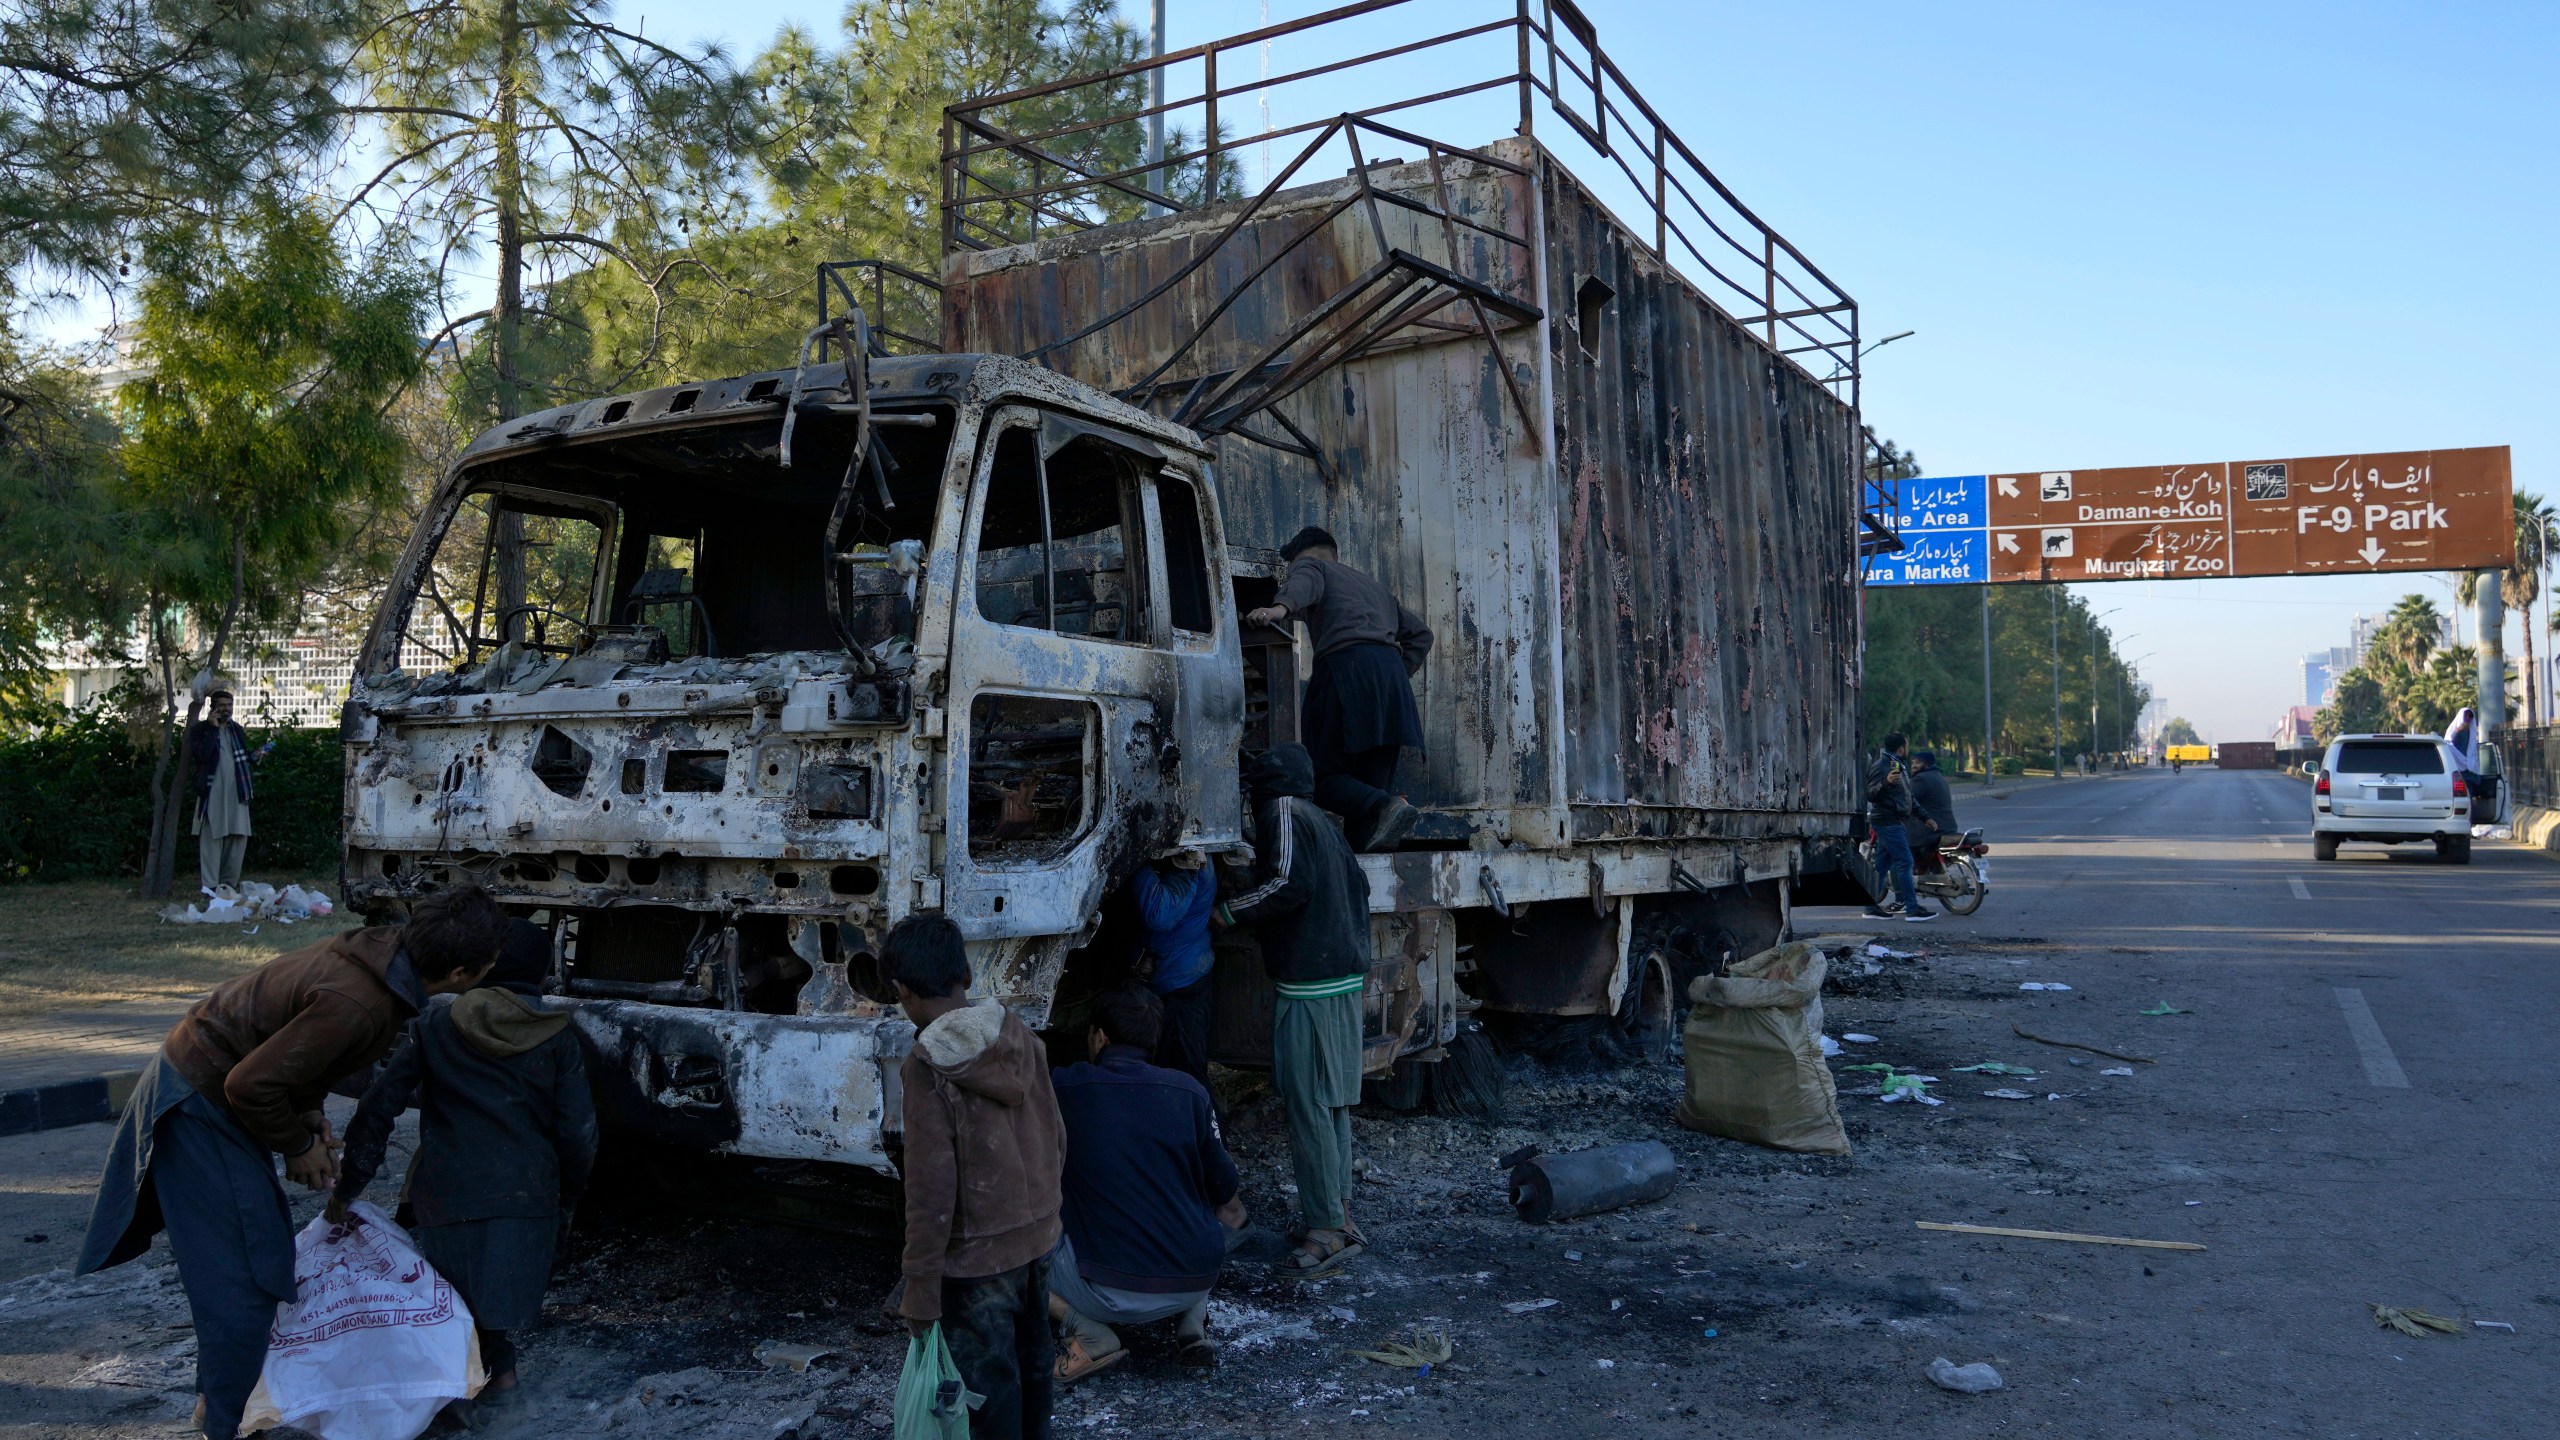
x=1933, y=806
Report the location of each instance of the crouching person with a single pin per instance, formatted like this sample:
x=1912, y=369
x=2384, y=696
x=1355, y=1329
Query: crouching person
x=506, y=1141
x=982, y=1159
x=239, y=1082
x=1148, y=1183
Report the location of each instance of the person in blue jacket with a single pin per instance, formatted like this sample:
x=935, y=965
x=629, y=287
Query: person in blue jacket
x=1148, y=1194
x=1176, y=897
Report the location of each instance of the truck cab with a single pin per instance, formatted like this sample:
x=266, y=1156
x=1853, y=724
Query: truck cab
x=610, y=684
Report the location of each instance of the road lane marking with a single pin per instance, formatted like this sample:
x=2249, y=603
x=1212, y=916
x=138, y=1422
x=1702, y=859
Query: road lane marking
x=2381, y=1067
x=2300, y=890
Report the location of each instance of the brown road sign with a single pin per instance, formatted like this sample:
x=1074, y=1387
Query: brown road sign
x=2320, y=515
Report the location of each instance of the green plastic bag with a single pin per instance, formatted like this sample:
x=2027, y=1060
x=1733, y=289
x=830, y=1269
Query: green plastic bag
x=933, y=1404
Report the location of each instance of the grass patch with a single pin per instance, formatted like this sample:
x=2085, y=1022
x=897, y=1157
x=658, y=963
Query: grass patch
x=73, y=943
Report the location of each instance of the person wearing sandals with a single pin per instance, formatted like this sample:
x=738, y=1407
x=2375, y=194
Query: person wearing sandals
x=1309, y=904
x=1149, y=1194
x=506, y=1142
x=982, y=1160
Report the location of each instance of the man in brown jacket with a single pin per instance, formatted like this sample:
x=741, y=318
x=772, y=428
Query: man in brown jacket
x=984, y=1148
x=240, y=1081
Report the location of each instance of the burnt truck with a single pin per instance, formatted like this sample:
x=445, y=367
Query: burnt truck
x=720, y=680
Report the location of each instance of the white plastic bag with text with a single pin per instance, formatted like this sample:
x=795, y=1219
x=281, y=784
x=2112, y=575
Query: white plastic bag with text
x=374, y=1343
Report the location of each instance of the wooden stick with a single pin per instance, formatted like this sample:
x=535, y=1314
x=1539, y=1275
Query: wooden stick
x=2057, y=1235
x=2024, y=1033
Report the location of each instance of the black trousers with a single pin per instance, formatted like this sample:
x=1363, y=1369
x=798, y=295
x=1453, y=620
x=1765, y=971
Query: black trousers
x=1356, y=783
x=998, y=1331
x=1183, y=1044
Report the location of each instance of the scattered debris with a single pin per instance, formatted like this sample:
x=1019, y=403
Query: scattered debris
x=1709, y=1334
x=1523, y=1307
x=1830, y=1047
x=2007, y=1095
x=2411, y=1321
x=1974, y=1379
x=2056, y=1235
x=1908, y=1086
x=1604, y=1364
x=1886, y=952
x=779, y=1353
x=2117, y=1070
x=1424, y=1350
x=2024, y=1033
x=2074, y=1060
x=2164, y=1008
x=1855, y=1039
x=1994, y=1067
x=2493, y=1325
x=2043, y=985
x=1574, y=1255
x=1587, y=1182
x=255, y=900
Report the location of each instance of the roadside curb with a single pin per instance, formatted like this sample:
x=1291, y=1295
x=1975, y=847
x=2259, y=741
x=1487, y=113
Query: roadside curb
x=2536, y=828
x=31, y=1108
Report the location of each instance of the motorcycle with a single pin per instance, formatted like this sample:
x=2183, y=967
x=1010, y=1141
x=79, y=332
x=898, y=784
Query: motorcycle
x=1954, y=870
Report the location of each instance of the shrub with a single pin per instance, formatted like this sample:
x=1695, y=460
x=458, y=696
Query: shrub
x=75, y=801
x=2010, y=765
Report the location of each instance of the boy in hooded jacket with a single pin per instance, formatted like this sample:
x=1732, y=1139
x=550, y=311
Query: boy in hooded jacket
x=984, y=1151
x=506, y=1141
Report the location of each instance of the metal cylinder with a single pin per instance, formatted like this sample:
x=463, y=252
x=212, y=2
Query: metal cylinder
x=1586, y=1182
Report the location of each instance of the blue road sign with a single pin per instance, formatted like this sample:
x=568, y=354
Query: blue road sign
x=1945, y=523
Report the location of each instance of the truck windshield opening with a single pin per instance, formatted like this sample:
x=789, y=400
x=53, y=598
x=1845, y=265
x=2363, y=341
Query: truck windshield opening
x=677, y=545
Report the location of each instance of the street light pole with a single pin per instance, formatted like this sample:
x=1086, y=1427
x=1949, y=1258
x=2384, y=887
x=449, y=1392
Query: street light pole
x=2094, y=618
x=2053, y=593
x=1986, y=685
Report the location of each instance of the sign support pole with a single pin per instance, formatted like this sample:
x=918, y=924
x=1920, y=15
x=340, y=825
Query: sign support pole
x=2055, y=592
x=1986, y=687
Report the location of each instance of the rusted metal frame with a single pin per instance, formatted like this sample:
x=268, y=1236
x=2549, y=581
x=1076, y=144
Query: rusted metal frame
x=1596, y=129
x=1203, y=256
x=1177, y=57
x=1208, y=126
x=1368, y=192
x=1407, y=202
x=1007, y=143
x=1661, y=215
x=1300, y=446
x=1349, y=340
x=1484, y=320
x=1318, y=316
x=1030, y=197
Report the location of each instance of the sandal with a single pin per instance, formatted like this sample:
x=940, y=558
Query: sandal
x=1077, y=1363
x=1201, y=1354
x=1322, y=1253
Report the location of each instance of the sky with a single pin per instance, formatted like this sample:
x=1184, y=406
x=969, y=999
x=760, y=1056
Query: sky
x=2123, y=235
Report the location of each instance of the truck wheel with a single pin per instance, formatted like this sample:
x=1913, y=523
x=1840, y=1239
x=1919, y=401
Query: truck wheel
x=2454, y=850
x=2324, y=847
x=1469, y=1083
x=1648, y=1018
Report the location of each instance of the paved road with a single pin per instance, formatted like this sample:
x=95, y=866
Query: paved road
x=2358, y=1109
x=2366, y=1086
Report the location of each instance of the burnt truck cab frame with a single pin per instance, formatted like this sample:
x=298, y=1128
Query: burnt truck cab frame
x=606, y=686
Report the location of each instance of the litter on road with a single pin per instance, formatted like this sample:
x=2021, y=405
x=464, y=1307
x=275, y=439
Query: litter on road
x=1424, y=1350
x=2043, y=985
x=1908, y=1086
x=1587, y=1182
x=2409, y=1320
x=2070, y=1235
x=1975, y=1379
x=2007, y=1095
x=2024, y=1033
x=798, y=1358
x=1523, y=1307
x=1995, y=1067
x=2117, y=1070
x=2165, y=1008
x=2493, y=1325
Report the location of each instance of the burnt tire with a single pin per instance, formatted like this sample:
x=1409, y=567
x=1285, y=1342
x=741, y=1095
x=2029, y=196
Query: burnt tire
x=1468, y=1083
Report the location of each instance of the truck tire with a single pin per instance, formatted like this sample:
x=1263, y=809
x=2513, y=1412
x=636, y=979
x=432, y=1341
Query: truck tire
x=2324, y=847
x=2454, y=850
x=1469, y=1083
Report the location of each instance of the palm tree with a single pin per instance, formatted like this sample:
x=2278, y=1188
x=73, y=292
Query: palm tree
x=2412, y=632
x=2537, y=534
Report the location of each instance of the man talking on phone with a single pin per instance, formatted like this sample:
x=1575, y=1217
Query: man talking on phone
x=1889, y=811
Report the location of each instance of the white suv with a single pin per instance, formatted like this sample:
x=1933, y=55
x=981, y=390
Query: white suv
x=2391, y=790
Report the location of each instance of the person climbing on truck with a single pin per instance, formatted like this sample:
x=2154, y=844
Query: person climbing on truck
x=1309, y=903
x=1359, y=713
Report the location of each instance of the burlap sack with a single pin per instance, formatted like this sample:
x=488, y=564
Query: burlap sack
x=1754, y=1057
